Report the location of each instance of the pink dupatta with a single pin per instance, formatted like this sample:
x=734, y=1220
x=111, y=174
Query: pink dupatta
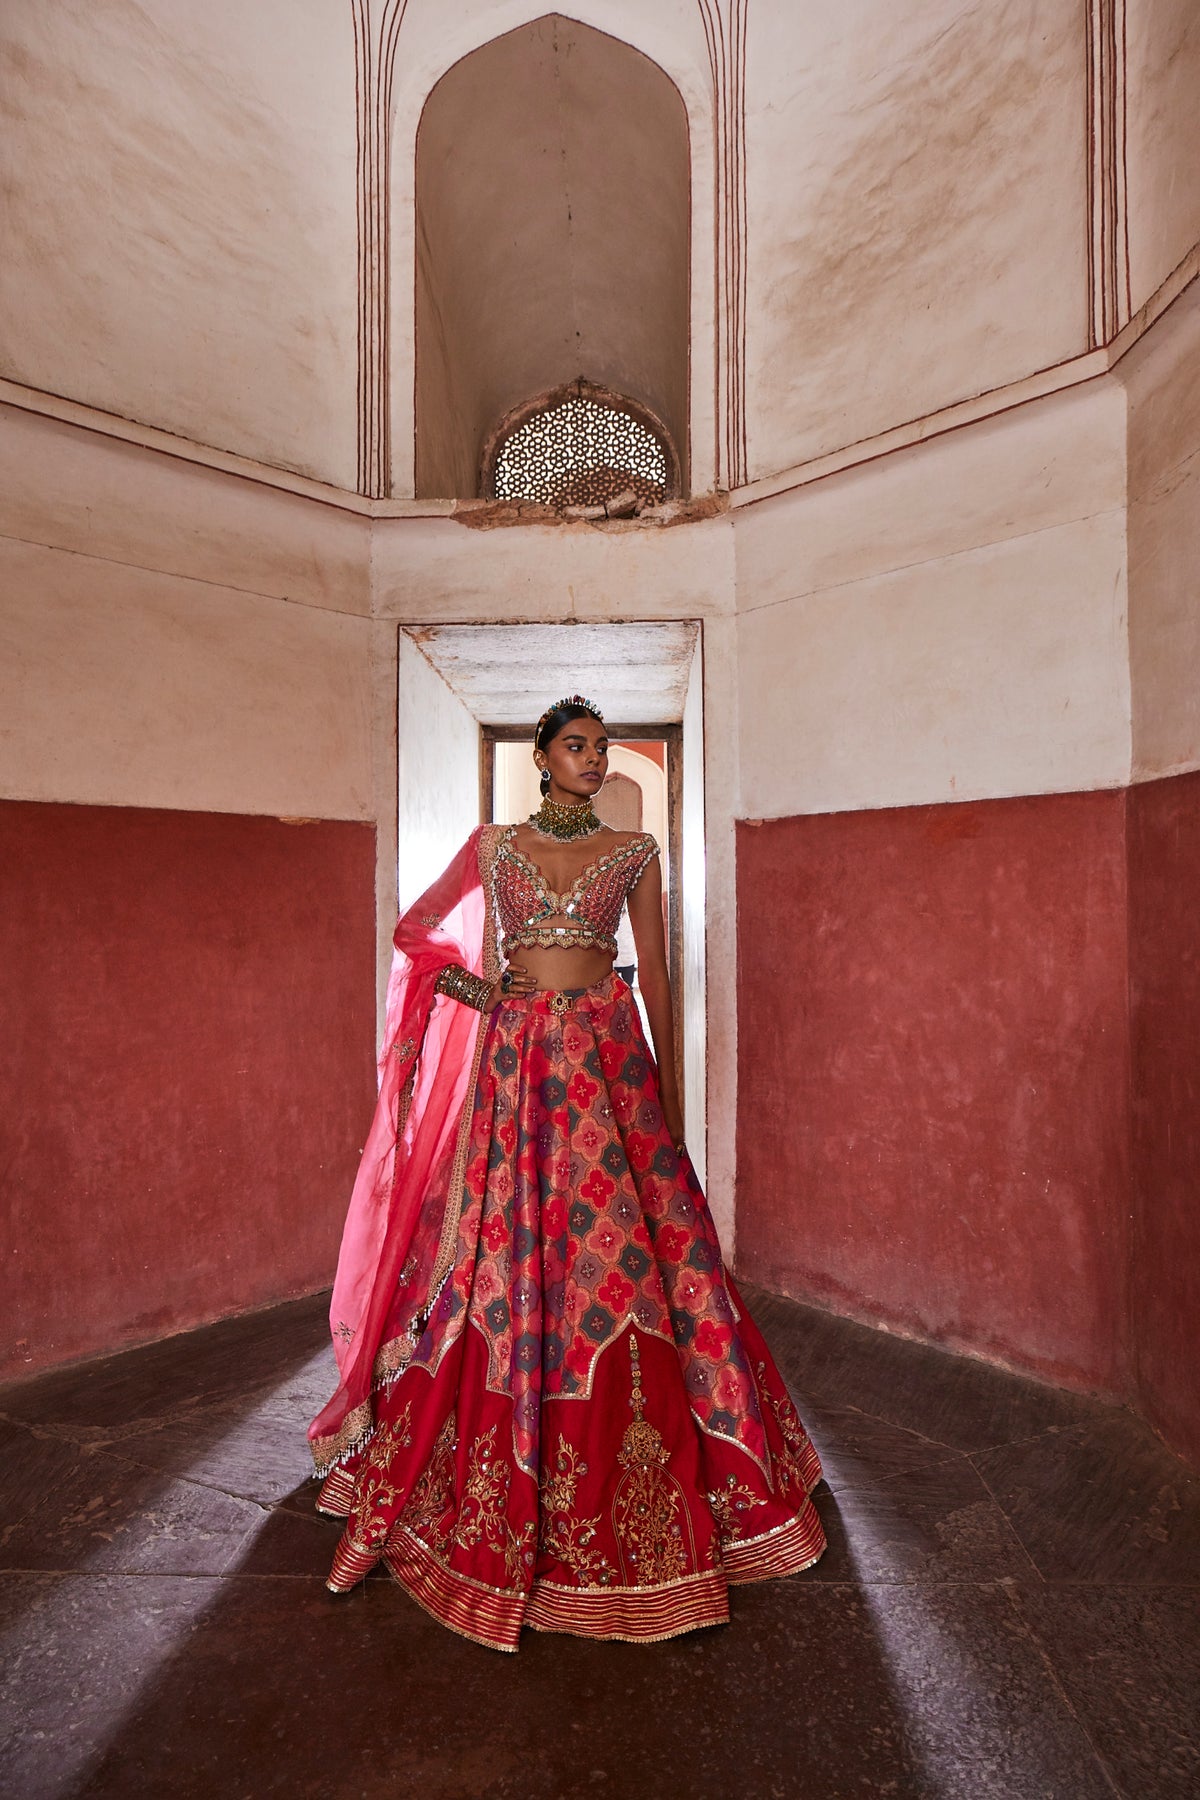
x=388, y=1268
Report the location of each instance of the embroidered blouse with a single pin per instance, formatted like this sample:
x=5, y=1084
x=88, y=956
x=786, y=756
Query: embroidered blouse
x=591, y=906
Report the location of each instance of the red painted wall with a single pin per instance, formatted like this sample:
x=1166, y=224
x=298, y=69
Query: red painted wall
x=186, y=1066
x=933, y=1086
x=1164, y=955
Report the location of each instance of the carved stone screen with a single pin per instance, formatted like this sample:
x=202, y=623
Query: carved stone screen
x=580, y=453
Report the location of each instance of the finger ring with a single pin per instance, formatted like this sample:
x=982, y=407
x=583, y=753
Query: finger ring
x=506, y=982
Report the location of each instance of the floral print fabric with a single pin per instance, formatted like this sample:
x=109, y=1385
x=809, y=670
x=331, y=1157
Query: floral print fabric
x=580, y=1215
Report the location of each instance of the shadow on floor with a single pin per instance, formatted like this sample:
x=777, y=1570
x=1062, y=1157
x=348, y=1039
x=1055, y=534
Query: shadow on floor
x=1007, y=1607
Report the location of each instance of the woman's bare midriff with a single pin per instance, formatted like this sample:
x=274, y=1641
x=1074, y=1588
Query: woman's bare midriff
x=559, y=969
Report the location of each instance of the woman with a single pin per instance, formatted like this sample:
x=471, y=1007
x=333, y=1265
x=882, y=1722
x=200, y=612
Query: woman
x=553, y=1410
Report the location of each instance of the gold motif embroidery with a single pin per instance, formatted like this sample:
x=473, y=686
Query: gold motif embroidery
x=483, y=1512
x=433, y=1495
x=729, y=1505
x=483, y=1509
x=404, y=1047
x=563, y=1536
x=344, y=1331
x=789, y=1463
x=431, y=918
x=376, y=1495
x=648, y=1502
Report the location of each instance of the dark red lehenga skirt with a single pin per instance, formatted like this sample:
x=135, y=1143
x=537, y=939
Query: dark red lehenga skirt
x=590, y=1435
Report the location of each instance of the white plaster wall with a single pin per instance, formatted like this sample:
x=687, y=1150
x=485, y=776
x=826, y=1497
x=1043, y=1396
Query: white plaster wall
x=91, y=494
x=124, y=686
x=174, y=636
x=723, y=710
x=179, y=233
x=693, y=889
x=947, y=623
x=437, y=772
x=916, y=211
x=1162, y=380
x=439, y=570
x=1162, y=83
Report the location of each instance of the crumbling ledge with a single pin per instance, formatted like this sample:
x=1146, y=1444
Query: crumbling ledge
x=491, y=515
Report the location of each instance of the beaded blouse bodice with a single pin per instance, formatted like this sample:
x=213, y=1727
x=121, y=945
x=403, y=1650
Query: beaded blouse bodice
x=588, y=912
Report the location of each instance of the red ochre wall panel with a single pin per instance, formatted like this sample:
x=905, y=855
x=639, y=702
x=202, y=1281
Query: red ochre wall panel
x=1164, y=953
x=186, y=1066
x=933, y=1073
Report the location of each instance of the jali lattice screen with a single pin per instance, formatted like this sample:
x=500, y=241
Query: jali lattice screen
x=580, y=453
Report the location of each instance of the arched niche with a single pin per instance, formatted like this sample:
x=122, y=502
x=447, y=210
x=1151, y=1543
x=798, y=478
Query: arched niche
x=552, y=225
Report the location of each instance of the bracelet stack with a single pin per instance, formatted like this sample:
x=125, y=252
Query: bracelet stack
x=460, y=984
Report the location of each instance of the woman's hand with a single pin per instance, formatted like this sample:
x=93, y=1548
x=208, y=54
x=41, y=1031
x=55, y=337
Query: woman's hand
x=516, y=979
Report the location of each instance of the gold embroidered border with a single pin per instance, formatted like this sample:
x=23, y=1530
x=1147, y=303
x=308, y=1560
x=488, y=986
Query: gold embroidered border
x=646, y=1615
x=337, y=1494
x=494, y=1616
x=352, y=1563
x=487, y=1615
x=489, y=842
x=458, y=1168
x=785, y=1550
x=355, y=1433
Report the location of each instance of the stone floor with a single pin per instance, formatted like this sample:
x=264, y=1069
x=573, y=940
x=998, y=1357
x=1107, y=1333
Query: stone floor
x=1009, y=1605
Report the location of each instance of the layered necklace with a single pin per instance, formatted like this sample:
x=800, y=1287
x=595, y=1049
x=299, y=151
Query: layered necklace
x=552, y=820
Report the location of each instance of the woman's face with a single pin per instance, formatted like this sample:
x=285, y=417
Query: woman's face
x=577, y=760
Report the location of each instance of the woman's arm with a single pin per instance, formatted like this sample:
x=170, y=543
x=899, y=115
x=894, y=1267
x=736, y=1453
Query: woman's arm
x=645, y=915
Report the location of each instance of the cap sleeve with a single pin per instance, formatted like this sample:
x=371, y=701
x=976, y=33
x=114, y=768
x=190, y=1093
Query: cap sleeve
x=644, y=848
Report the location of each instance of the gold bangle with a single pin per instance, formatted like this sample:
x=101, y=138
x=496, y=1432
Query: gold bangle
x=459, y=984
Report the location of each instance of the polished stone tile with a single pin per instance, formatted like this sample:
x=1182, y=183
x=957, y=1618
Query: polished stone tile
x=1129, y=1660
x=273, y=1688
x=1104, y=1502
x=69, y=1509
x=857, y=1450
x=926, y=1656
x=288, y=1542
x=957, y=1401
x=939, y=1524
x=32, y=1466
x=79, y=1652
x=155, y=1384
x=260, y=1452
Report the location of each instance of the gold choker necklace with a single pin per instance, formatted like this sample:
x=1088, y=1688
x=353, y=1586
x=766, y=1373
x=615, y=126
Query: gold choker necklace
x=565, y=822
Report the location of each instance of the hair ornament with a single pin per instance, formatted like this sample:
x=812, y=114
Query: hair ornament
x=567, y=700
